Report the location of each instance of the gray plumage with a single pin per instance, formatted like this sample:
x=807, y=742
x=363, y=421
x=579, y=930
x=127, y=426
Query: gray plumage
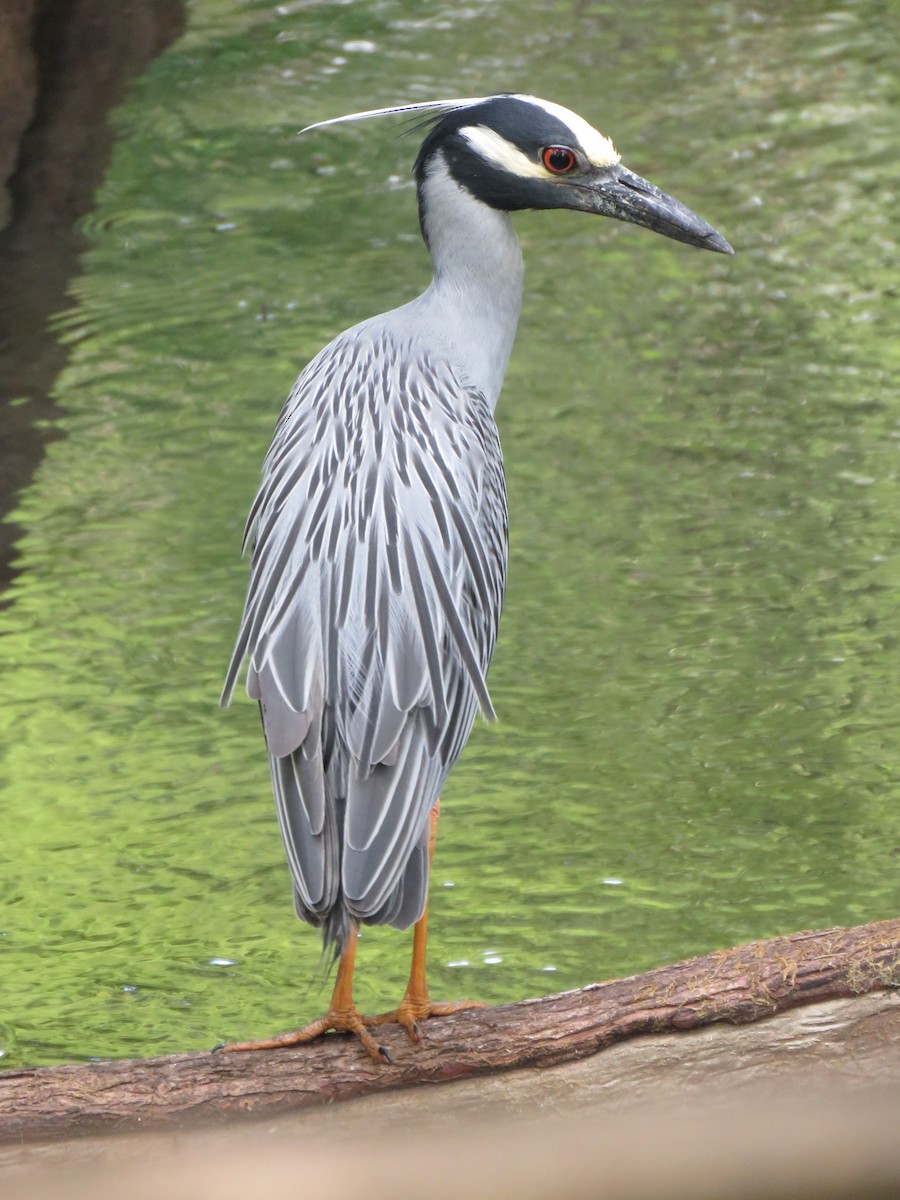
x=376, y=581
x=379, y=533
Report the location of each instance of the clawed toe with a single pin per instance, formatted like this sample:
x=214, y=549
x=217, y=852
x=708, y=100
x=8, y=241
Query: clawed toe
x=412, y=1012
x=344, y=1021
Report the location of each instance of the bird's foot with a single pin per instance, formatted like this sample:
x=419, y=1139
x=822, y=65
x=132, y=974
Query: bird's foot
x=412, y=1010
x=337, y=1020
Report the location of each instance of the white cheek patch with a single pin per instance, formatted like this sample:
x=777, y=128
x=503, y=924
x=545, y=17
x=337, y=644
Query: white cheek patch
x=496, y=149
x=599, y=149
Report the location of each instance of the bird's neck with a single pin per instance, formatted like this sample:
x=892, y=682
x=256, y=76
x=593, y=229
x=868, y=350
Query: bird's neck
x=476, y=293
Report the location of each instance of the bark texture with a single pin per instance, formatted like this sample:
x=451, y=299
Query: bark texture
x=740, y=985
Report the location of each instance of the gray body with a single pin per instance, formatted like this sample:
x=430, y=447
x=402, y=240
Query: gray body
x=380, y=529
x=377, y=574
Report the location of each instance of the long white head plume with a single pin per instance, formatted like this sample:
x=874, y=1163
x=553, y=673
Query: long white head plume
x=399, y=108
x=598, y=148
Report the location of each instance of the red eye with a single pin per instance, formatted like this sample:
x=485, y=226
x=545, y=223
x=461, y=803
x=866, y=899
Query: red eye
x=559, y=159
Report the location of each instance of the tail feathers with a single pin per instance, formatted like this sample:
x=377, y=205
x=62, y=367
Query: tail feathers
x=405, y=905
x=336, y=926
x=402, y=908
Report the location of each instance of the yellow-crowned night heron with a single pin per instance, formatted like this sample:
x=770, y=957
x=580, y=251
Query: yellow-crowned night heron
x=379, y=532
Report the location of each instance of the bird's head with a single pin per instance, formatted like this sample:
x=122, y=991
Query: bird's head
x=515, y=152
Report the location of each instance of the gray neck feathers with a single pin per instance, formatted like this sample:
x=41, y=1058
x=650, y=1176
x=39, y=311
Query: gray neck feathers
x=472, y=305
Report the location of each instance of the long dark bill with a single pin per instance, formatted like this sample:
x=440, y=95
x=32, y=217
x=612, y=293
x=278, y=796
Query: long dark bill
x=627, y=197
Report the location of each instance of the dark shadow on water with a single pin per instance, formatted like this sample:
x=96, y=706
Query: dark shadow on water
x=64, y=65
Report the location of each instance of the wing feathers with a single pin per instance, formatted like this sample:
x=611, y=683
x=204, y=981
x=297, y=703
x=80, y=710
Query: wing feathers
x=293, y=778
x=459, y=632
x=285, y=727
x=376, y=580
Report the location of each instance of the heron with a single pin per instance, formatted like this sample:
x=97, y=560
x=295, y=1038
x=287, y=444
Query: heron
x=379, y=534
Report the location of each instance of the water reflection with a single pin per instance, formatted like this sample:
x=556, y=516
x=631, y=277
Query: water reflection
x=65, y=69
x=698, y=658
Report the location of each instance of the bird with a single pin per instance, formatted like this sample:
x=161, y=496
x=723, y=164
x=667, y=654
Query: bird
x=379, y=533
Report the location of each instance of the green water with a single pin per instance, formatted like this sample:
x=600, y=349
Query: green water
x=697, y=674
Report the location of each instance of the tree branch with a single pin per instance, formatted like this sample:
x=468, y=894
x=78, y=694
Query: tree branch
x=740, y=985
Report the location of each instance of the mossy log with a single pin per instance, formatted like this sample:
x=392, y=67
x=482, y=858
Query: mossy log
x=740, y=985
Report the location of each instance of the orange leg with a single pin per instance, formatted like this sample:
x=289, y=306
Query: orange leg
x=416, y=1004
x=342, y=1016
